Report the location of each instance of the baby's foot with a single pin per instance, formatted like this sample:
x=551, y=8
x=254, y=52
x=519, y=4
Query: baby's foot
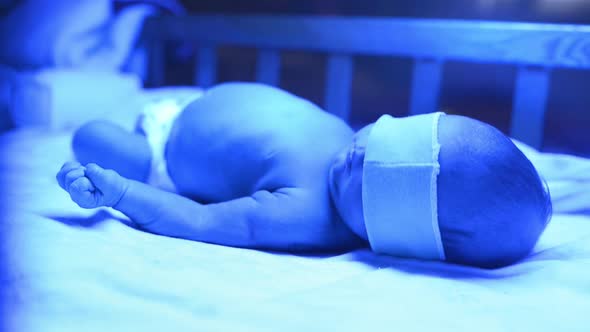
x=91, y=186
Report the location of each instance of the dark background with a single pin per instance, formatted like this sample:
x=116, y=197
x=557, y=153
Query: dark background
x=381, y=84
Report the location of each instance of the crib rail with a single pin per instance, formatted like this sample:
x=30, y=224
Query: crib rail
x=534, y=48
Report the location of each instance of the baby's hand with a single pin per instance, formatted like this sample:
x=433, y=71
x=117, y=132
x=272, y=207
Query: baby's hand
x=91, y=186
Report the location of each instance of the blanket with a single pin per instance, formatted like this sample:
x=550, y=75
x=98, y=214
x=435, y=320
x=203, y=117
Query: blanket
x=69, y=269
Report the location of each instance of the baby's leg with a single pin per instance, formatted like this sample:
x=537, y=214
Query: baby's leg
x=112, y=147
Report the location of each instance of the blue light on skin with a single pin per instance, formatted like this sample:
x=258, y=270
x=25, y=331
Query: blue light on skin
x=346, y=175
x=484, y=183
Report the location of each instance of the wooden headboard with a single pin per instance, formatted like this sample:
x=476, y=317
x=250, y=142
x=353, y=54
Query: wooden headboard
x=535, y=48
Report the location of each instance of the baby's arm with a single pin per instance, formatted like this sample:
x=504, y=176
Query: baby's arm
x=279, y=220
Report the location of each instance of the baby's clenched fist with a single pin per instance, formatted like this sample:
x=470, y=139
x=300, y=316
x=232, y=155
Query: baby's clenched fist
x=91, y=186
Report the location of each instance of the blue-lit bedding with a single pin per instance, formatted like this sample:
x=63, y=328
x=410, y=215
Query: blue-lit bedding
x=87, y=270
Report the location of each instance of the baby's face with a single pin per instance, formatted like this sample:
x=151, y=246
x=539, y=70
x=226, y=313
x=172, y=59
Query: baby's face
x=346, y=176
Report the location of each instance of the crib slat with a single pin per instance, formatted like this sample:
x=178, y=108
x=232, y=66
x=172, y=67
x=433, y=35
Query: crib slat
x=338, y=83
x=529, y=105
x=156, y=63
x=425, y=86
x=268, y=67
x=555, y=45
x=206, y=68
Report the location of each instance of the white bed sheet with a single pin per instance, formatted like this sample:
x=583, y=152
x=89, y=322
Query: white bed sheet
x=72, y=269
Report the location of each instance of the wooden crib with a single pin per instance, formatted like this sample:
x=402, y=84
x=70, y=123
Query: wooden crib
x=535, y=49
x=66, y=268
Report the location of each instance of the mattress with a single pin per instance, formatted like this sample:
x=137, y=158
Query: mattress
x=65, y=268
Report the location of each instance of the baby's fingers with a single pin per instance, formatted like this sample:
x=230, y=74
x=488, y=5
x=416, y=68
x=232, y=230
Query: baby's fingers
x=65, y=169
x=72, y=176
x=83, y=193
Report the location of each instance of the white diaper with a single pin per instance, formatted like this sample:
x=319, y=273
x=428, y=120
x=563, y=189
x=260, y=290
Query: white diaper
x=155, y=123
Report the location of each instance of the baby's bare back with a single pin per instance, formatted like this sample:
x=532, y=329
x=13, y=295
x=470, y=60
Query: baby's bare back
x=240, y=138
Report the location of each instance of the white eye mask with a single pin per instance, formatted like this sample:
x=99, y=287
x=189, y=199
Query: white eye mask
x=399, y=187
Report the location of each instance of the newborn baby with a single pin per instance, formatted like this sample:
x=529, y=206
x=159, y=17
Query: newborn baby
x=256, y=167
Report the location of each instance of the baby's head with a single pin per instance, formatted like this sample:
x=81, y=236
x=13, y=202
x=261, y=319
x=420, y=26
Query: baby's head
x=481, y=202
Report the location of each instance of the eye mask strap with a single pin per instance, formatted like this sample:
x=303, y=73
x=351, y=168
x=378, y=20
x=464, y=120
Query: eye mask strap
x=400, y=187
